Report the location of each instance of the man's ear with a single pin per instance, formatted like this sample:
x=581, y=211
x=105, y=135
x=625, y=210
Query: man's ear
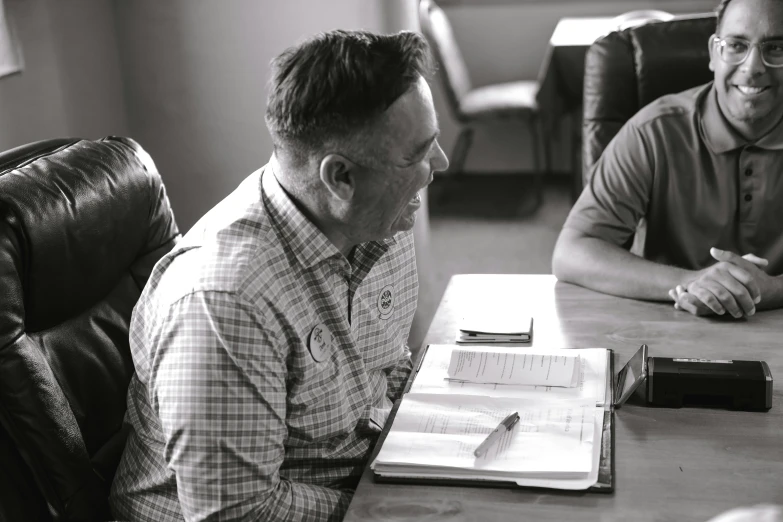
x=338, y=174
x=711, y=48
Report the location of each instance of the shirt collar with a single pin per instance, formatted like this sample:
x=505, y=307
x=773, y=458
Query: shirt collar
x=720, y=136
x=773, y=140
x=308, y=244
x=306, y=241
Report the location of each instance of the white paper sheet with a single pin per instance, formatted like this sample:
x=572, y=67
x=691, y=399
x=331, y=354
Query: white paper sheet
x=591, y=385
x=436, y=433
x=575, y=483
x=502, y=322
x=514, y=367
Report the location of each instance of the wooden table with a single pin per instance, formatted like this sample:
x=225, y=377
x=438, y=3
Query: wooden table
x=674, y=465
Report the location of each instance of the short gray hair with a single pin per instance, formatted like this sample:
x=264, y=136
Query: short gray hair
x=334, y=85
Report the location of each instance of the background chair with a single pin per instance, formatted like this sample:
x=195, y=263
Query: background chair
x=81, y=225
x=626, y=70
x=473, y=106
x=639, y=17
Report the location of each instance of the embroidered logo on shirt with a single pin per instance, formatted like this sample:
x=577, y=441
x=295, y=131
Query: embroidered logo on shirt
x=320, y=343
x=386, y=301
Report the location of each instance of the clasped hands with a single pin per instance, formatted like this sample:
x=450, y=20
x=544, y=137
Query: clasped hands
x=733, y=285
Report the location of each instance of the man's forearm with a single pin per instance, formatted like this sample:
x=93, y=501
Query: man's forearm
x=398, y=377
x=772, y=297
x=598, y=265
x=296, y=501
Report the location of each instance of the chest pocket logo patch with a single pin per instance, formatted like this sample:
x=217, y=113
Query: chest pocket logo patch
x=386, y=302
x=320, y=343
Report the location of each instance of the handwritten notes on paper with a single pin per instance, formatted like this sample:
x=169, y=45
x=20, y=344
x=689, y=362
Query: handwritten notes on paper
x=487, y=367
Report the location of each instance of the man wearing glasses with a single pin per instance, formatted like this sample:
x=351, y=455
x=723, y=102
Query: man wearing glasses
x=705, y=168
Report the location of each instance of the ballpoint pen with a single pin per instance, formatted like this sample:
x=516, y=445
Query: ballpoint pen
x=504, y=426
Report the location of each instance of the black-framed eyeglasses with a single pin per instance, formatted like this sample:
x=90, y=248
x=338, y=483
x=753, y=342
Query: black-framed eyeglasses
x=734, y=51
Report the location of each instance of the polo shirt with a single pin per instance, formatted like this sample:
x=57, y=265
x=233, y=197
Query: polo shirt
x=266, y=365
x=699, y=184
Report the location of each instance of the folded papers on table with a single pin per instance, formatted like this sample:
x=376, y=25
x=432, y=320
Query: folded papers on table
x=433, y=377
x=514, y=367
x=495, y=327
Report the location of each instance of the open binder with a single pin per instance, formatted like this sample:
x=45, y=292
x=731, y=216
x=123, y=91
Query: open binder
x=428, y=381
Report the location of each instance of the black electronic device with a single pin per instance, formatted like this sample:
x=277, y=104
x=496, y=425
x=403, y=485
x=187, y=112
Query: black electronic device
x=739, y=385
x=677, y=382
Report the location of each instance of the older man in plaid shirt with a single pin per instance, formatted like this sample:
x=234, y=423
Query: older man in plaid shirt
x=270, y=344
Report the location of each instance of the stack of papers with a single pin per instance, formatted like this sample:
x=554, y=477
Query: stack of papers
x=433, y=376
x=495, y=328
x=434, y=436
x=493, y=367
x=459, y=396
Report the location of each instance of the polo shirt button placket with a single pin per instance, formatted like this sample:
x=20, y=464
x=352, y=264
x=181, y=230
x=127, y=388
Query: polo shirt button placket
x=748, y=183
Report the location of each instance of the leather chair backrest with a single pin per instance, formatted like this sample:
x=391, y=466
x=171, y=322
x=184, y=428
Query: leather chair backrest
x=640, y=17
x=437, y=30
x=82, y=223
x=626, y=70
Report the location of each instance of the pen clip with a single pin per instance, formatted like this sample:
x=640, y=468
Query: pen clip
x=509, y=421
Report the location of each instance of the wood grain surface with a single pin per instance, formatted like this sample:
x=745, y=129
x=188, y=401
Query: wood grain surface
x=676, y=465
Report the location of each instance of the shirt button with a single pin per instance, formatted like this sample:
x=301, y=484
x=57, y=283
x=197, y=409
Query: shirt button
x=748, y=197
x=748, y=171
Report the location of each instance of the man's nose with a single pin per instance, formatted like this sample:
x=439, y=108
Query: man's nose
x=754, y=63
x=440, y=162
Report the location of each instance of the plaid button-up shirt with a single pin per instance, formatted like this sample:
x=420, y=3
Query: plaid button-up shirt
x=266, y=364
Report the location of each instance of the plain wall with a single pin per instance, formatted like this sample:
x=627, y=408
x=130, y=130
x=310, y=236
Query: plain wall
x=196, y=75
x=71, y=83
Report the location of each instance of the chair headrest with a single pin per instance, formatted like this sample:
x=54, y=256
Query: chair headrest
x=639, y=17
x=626, y=70
x=638, y=65
x=92, y=190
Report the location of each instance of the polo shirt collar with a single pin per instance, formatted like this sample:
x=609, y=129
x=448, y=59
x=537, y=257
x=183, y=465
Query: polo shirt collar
x=721, y=137
x=773, y=140
x=306, y=241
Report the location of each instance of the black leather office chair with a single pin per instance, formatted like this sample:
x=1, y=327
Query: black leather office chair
x=472, y=106
x=640, y=17
x=82, y=223
x=625, y=70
